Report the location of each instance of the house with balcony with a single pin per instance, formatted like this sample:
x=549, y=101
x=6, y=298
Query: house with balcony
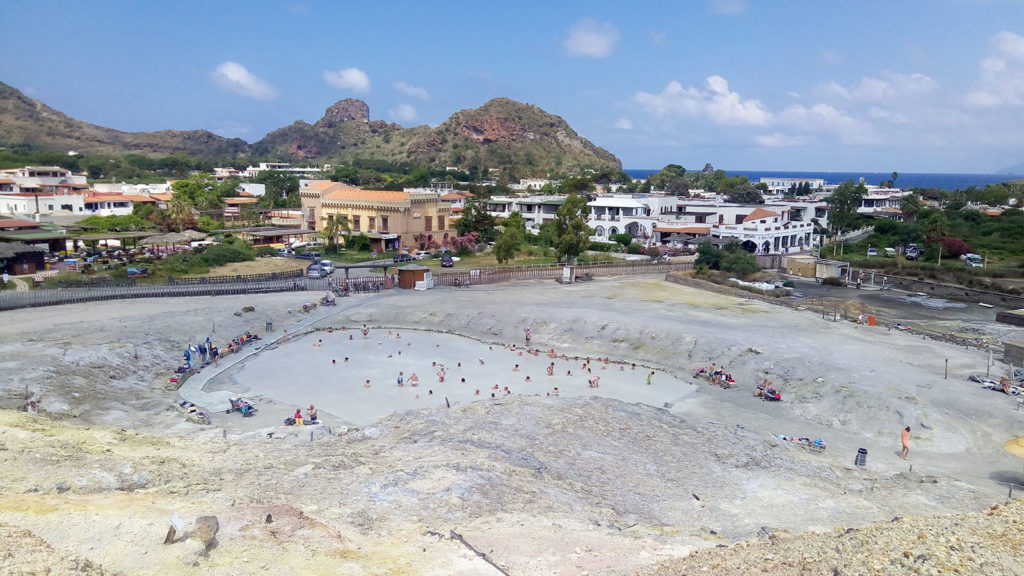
x=393, y=220
x=96, y=204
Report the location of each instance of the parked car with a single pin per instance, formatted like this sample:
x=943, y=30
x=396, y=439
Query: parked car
x=285, y=252
x=890, y=252
x=912, y=252
x=315, y=271
x=314, y=256
x=872, y=252
x=973, y=261
x=402, y=257
x=327, y=266
x=446, y=261
x=420, y=255
x=138, y=271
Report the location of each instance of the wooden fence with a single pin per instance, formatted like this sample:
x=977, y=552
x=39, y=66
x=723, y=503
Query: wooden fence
x=11, y=299
x=289, y=281
x=495, y=275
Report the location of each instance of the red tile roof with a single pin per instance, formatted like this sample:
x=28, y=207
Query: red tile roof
x=760, y=214
x=17, y=223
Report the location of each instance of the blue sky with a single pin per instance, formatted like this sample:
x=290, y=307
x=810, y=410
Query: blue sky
x=934, y=86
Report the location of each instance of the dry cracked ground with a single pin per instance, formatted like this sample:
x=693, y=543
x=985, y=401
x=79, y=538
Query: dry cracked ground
x=523, y=484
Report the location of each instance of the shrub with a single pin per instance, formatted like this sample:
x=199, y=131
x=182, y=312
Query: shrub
x=834, y=281
x=635, y=248
x=954, y=246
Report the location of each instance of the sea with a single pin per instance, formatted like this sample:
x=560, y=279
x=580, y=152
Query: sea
x=947, y=182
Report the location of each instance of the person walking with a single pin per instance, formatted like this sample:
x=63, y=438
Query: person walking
x=905, y=440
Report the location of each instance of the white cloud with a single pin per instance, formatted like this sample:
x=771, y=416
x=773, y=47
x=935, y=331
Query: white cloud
x=1001, y=76
x=779, y=140
x=715, y=101
x=887, y=88
x=658, y=37
x=238, y=79
x=403, y=113
x=352, y=79
x=829, y=58
x=624, y=124
x=591, y=39
x=727, y=7
x=825, y=118
x=412, y=91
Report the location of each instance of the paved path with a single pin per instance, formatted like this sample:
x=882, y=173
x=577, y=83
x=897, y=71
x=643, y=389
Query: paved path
x=19, y=284
x=220, y=400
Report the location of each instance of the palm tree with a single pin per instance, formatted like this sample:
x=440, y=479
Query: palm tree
x=180, y=212
x=335, y=226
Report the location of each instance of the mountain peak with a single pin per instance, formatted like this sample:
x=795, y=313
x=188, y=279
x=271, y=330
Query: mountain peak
x=347, y=110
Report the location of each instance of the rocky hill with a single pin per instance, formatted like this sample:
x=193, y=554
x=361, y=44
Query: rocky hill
x=24, y=120
x=500, y=133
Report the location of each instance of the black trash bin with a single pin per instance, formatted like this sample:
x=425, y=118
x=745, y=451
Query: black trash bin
x=862, y=457
x=270, y=326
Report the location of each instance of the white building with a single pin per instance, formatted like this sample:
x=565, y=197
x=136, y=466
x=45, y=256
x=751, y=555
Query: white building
x=882, y=202
x=134, y=189
x=535, y=210
x=113, y=204
x=778, y=185
x=47, y=203
x=309, y=171
x=251, y=188
x=530, y=184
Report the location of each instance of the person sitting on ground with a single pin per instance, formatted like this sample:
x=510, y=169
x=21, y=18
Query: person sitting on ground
x=298, y=416
x=1004, y=382
x=32, y=408
x=759, y=392
x=312, y=414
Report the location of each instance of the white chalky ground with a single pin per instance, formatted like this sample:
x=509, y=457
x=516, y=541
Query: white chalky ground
x=298, y=374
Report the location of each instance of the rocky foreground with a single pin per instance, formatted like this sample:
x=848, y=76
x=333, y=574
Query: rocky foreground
x=538, y=485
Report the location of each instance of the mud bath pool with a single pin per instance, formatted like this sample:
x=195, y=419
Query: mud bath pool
x=312, y=369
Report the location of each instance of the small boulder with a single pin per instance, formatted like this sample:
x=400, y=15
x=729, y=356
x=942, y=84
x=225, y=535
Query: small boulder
x=206, y=530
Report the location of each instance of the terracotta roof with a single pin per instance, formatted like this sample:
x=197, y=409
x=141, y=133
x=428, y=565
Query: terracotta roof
x=231, y=201
x=321, y=184
x=368, y=195
x=760, y=214
x=162, y=197
x=683, y=229
x=6, y=181
x=18, y=223
x=987, y=212
x=452, y=196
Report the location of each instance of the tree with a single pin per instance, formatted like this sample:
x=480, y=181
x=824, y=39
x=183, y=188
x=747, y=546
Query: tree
x=678, y=186
x=662, y=179
x=476, y=219
x=935, y=226
x=843, y=203
x=508, y=244
x=333, y=227
x=571, y=231
x=200, y=191
x=746, y=194
x=910, y=206
x=576, y=185
x=625, y=239
x=282, y=189
x=180, y=212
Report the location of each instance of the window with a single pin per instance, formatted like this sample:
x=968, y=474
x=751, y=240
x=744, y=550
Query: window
x=383, y=224
x=440, y=222
x=427, y=224
x=355, y=223
x=372, y=223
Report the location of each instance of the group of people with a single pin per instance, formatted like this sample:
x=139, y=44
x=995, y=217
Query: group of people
x=716, y=375
x=312, y=417
x=766, y=391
